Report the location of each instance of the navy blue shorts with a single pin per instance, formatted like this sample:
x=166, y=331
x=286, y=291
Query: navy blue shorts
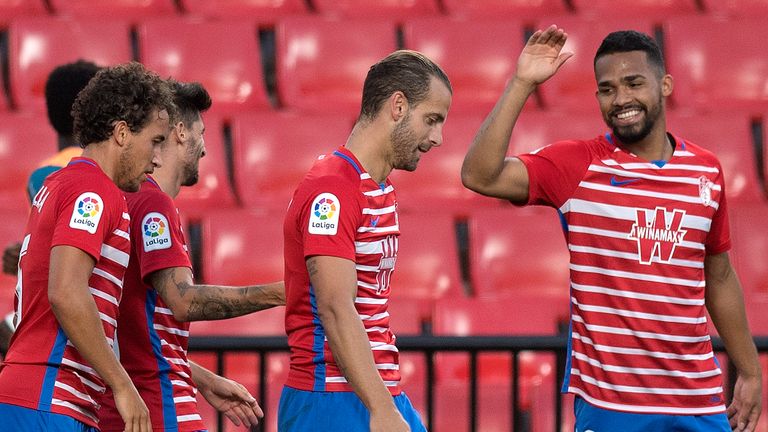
x=302, y=411
x=590, y=418
x=16, y=418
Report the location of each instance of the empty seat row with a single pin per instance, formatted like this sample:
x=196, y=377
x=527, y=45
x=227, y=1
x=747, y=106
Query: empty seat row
x=319, y=65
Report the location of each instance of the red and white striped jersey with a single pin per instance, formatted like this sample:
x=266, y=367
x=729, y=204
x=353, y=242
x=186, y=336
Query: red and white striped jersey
x=152, y=344
x=338, y=210
x=78, y=206
x=638, y=233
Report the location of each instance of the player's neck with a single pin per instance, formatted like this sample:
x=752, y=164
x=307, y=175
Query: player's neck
x=168, y=179
x=366, y=144
x=656, y=146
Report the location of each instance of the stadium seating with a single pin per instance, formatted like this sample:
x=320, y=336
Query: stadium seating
x=535, y=129
x=518, y=252
x=12, y=9
x=737, y=8
x=506, y=9
x=750, y=244
x=479, y=56
x=573, y=87
x=387, y=9
x=223, y=56
x=126, y=9
x=273, y=151
x=26, y=139
x=212, y=191
x=701, y=55
x=728, y=135
x=259, y=10
x=655, y=9
x=321, y=66
x=38, y=45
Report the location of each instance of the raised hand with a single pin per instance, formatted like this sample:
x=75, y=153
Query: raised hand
x=542, y=56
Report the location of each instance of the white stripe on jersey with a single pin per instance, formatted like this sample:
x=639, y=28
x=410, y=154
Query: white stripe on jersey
x=379, y=211
x=375, y=317
x=646, y=390
x=382, y=346
x=121, y=233
x=107, y=319
x=172, y=346
x=177, y=361
x=646, y=409
x=623, y=235
x=370, y=248
x=114, y=255
x=633, y=174
x=626, y=213
x=376, y=329
x=639, y=315
x=101, y=294
x=171, y=330
x=89, y=383
x=644, y=193
x=642, y=352
x=183, y=399
x=78, y=366
x=379, y=192
x=380, y=230
x=636, y=295
x=367, y=285
x=633, y=256
x=367, y=300
x=69, y=389
x=387, y=366
x=189, y=417
x=646, y=371
x=99, y=272
x=75, y=408
x=639, y=334
x=366, y=268
x=179, y=383
x=164, y=311
x=637, y=276
x=667, y=166
x=126, y=216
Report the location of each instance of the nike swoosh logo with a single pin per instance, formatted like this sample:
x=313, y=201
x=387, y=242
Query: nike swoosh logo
x=375, y=221
x=617, y=182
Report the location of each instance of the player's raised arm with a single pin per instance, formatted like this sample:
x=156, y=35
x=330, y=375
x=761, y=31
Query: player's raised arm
x=485, y=168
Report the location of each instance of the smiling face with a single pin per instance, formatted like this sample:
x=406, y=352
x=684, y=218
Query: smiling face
x=421, y=128
x=141, y=152
x=631, y=93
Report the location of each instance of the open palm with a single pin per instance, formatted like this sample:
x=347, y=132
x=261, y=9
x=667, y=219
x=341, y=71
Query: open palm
x=542, y=55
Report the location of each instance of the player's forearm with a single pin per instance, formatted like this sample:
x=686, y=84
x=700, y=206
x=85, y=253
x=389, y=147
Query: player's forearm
x=484, y=161
x=352, y=353
x=201, y=376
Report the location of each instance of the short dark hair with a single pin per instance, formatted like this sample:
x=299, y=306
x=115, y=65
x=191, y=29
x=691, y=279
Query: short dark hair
x=126, y=92
x=630, y=40
x=191, y=99
x=404, y=70
x=61, y=89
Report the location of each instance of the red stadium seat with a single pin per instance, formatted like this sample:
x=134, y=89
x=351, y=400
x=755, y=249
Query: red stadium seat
x=126, y=9
x=12, y=9
x=519, y=252
x=321, y=63
x=37, y=46
x=573, y=88
x=737, y=8
x=479, y=56
x=273, y=151
x=392, y=9
x=212, y=190
x=750, y=246
x=535, y=129
x=701, y=64
x=506, y=9
x=655, y=9
x=728, y=135
x=25, y=141
x=260, y=10
x=223, y=56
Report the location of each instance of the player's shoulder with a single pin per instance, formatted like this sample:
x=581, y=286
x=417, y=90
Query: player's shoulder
x=687, y=148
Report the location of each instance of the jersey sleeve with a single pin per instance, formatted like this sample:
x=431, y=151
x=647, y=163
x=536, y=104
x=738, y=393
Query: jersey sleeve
x=555, y=171
x=156, y=235
x=329, y=218
x=86, y=213
x=719, y=237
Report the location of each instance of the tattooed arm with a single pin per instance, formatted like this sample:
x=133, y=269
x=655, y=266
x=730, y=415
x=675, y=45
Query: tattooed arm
x=190, y=302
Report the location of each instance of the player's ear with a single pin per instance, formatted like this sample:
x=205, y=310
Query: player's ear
x=120, y=132
x=398, y=105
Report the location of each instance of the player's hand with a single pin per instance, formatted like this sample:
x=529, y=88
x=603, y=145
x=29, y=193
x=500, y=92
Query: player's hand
x=233, y=400
x=11, y=258
x=542, y=56
x=389, y=420
x=744, y=410
x=132, y=409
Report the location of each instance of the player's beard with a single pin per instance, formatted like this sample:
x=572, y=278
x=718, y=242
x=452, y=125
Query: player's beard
x=638, y=132
x=125, y=178
x=404, y=145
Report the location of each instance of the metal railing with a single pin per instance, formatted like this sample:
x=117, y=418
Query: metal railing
x=429, y=346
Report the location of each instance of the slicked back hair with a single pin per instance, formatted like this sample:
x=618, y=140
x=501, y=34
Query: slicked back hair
x=190, y=99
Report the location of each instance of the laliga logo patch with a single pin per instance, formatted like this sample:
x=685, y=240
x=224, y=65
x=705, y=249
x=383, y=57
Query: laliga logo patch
x=324, y=219
x=87, y=212
x=155, y=232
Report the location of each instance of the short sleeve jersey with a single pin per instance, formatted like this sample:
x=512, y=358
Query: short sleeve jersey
x=338, y=210
x=78, y=206
x=152, y=344
x=638, y=233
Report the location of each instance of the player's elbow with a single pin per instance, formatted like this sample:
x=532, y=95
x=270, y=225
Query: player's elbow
x=180, y=310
